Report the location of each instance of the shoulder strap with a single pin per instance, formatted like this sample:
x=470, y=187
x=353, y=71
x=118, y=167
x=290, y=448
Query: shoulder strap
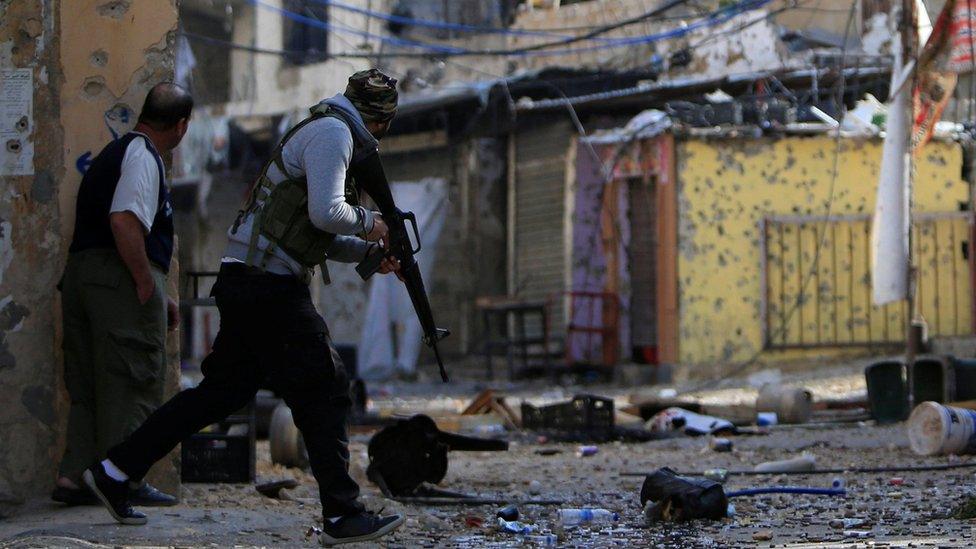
x=261, y=185
x=276, y=156
x=262, y=189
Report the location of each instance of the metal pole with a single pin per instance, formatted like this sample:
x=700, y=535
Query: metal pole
x=909, y=48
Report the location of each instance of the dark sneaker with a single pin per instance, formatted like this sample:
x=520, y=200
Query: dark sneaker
x=146, y=495
x=74, y=496
x=113, y=494
x=362, y=527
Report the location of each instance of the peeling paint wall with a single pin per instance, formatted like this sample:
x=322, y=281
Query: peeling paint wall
x=728, y=185
x=91, y=63
x=112, y=52
x=747, y=42
x=30, y=249
x=268, y=84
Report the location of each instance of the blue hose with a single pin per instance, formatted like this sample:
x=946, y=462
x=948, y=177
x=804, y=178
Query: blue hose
x=788, y=490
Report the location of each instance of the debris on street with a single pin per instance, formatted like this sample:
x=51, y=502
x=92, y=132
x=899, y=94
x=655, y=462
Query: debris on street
x=587, y=451
x=585, y=418
x=273, y=488
x=804, y=463
x=668, y=497
x=936, y=429
x=703, y=273
x=720, y=444
x=578, y=517
x=509, y=513
x=791, y=405
x=690, y=423
x=412, y=452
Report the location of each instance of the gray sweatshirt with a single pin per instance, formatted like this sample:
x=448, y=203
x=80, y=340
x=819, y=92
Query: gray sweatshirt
x=321, y=151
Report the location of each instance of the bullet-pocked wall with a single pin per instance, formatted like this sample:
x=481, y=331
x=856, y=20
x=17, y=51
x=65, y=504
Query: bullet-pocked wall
x=31, y=170
x=705, y=50
x=727, y=186
x=73, y=75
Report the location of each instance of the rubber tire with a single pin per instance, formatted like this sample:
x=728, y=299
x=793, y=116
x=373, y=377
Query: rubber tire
x=287, y=444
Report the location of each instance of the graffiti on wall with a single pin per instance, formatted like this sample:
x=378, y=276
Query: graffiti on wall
x=118, y=121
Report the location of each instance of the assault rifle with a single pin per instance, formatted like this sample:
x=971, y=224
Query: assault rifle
x=371, y=178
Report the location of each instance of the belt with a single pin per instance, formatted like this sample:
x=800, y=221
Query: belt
x=230, y=268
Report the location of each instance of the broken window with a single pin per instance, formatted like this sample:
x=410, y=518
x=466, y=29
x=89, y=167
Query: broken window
x=463, y=13
x=305, y=36
x=204, y=68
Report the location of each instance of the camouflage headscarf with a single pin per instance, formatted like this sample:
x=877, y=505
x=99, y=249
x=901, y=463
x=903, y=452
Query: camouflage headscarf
x=373, y=94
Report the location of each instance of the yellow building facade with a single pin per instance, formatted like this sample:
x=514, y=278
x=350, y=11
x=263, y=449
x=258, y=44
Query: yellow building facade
x=773, y=248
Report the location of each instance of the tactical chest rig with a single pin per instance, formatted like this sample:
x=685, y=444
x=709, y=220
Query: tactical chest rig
x=281, y=210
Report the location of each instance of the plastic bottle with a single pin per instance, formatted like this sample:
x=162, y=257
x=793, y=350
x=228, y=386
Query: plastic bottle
x=587, y=451
x=575, y=517
x=546, y=540
x=766, y=419
x=718, y=475
x=515, y=527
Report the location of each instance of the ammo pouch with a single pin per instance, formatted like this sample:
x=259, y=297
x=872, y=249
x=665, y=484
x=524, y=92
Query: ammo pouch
x=284, y=221
x=281, y=211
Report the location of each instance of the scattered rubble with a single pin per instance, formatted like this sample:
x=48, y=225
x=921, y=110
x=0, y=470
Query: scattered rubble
x=690, y=423
x=669, y=497
x=869, y=457
x=806, y=462
x=273, y=489
x=720, y=444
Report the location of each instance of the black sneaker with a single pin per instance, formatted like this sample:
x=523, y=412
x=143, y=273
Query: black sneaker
x=74, y=496
x=362, y=527
x=147, y=495
x=113, y=494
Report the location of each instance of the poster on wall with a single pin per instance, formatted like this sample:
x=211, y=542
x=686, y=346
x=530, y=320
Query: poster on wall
x=16, y=122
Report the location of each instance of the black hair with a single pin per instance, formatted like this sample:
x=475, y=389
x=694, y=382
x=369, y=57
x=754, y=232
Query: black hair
x=166, y=104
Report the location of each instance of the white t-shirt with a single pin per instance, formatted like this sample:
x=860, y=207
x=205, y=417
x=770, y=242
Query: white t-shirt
x=138, y=188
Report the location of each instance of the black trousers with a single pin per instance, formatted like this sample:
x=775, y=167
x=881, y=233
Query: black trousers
x=270, y=336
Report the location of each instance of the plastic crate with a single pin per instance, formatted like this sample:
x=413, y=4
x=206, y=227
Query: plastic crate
x=227, y=455
x=585, y=417
x=209, y=457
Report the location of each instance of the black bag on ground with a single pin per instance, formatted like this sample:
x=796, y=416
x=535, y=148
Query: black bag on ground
x=676, y=498
x=413, y=451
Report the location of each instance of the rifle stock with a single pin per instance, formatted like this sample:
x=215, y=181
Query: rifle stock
x=371, y=178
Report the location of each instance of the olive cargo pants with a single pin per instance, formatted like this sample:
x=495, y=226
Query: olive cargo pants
x=114, y=354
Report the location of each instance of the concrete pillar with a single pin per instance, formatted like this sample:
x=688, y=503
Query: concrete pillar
x=86, y=66
x=31, y=250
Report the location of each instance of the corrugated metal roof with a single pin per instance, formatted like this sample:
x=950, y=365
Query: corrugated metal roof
x=680, y=83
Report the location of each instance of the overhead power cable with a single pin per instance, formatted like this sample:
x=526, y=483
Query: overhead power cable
x=444, y=25
x=712, y=19
x=551, y=32
x=313, y=22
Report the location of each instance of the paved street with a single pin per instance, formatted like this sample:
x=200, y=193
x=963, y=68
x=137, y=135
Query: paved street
x=881, y=510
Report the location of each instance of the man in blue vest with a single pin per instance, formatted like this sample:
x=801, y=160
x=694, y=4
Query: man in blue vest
x=113, y=293
x=303, y=210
